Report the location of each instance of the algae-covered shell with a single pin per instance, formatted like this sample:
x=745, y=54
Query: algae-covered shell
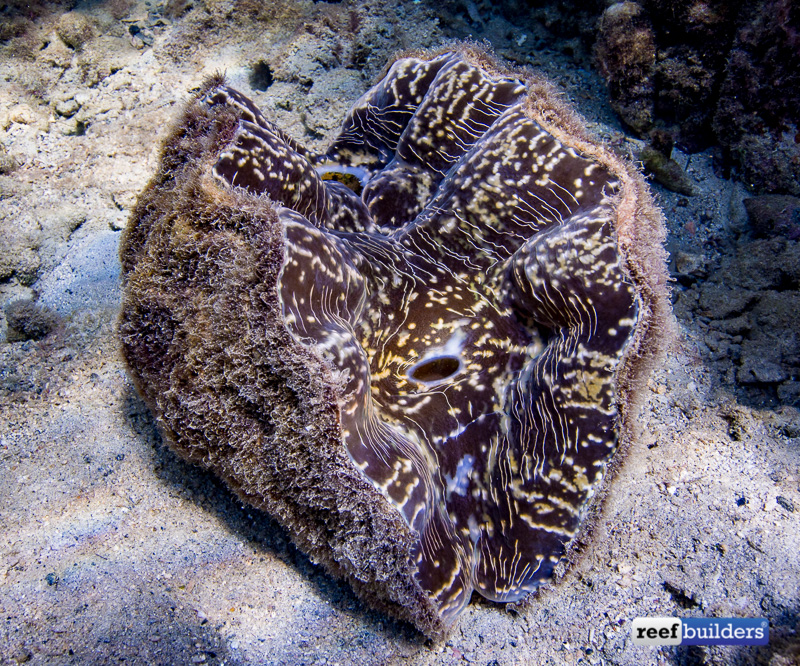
x=425, y=377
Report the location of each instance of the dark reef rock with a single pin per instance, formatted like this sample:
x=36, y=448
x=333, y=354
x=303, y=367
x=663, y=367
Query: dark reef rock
x=626, y=56
x=757, y=118
x=419, y=351
x=751, y=303
x=707, y=71
x=774, y=215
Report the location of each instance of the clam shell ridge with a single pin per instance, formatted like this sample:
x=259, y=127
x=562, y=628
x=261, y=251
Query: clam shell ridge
x=419, y=351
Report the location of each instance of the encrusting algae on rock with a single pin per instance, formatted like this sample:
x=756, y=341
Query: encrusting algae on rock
x=419, y=351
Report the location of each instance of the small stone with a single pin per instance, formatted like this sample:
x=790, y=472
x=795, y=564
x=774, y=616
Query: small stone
x=8, y=163
x=785, y=503
x=67, y=108
x=22, y=114
x=739, y=423
x=666, y=172
x=74, y=29
x=82, y=97
x=787, y=419
x=76, y=127
x=29, y=320
x=690, y=265
x=756, y=541
x=118, y=222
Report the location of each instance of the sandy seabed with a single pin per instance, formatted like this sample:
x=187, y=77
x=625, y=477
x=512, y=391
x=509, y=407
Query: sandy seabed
x=113, y=550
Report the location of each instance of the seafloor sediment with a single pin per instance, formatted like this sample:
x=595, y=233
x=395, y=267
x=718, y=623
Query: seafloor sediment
x=112, y=549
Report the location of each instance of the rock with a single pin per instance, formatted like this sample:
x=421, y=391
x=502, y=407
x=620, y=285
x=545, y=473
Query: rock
x=756, y=117
x=684, y=302
x=777, y=313
x=22, y=114
x=74, y=29
x=22, y=239
x=56, y=53
x=175, y=9
x=756, y=370
x=24, y=264
x=719, y=302
x=8, y=163
x=774, y=214
x=660, y=57
x=67, y=108
x=683, y=76
x=789, y=394
x=736, y=326
x=118, y=222
x=690, y=266
x=790, y=263
x=10, y=187
x=666, y=171
x=770, y=354
x=29, y=320
x=755, y=266
x=626, y=54
x=62, y=220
